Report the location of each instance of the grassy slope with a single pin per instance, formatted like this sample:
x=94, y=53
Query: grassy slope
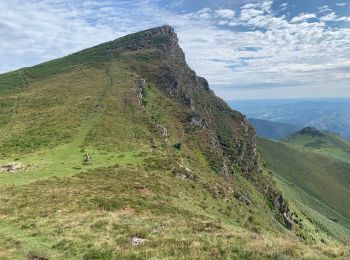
x=107, y=207
x=315, y=182
x=326, y=143
x=62, y=208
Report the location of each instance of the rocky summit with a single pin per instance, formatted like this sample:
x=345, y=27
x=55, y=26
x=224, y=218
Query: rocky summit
x=135, y=157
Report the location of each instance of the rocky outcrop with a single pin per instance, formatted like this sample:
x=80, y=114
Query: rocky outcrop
x=203, y=83
x=206, y=115
x=284, y=210
x=243, y=198
x=12, y=167
x=161, y=130
x=141, y=90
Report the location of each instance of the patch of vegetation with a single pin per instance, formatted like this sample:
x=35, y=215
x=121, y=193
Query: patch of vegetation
x=316, y=183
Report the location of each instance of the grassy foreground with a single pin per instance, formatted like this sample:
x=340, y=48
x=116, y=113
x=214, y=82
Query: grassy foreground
x=95, y=215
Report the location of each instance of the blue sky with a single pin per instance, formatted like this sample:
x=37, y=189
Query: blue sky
x=246, y=49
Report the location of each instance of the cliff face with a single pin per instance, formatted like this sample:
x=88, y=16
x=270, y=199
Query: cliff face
x=224, y=135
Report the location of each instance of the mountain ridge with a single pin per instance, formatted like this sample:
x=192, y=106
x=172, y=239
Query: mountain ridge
x=321, y=141
x=143, y=151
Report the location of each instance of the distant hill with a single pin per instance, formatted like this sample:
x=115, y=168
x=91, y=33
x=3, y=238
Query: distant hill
x=326, y=114
x=321, y=141
x=272, y=130
x=318, y=183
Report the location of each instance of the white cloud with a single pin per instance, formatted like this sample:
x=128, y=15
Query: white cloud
x=302, y=17
x=249, y=6
x=205, y=13
x=332, y=17
x=342, y=4
x=284, y=6
x=225, y=13
x=325, y=9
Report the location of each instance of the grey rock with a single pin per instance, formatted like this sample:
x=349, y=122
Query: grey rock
x=136, y=241
x=12, y=167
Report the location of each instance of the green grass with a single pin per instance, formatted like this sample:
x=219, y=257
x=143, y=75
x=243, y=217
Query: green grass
x=316, y=212
x=327, y=143
x=316, y=182
x=107, y=207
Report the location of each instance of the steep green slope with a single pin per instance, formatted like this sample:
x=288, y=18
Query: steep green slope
x=322, y=142
x=272, y=130
x=316, y=181
x=174, y=171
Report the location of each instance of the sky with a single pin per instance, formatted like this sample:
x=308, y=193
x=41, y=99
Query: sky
x=247, y=49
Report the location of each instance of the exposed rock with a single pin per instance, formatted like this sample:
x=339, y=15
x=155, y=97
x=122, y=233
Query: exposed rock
x=87, y=158
x=287, y=220
x=136, y=241
x=208, y=113
x=224, y=170
x=141, y=89
x=168, y=80
x=197, y=120
x=162, y=130
x=203, y=83
x=283, y=209
x=12, y=167
x=164, y=36
x=242, y=198
x=184, y=173
x=192, y=105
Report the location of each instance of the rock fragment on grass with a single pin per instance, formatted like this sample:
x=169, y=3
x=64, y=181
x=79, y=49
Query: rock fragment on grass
x=12, y=167
x=136, y=241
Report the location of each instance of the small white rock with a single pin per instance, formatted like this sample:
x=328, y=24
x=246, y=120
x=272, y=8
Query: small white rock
x=136, y=241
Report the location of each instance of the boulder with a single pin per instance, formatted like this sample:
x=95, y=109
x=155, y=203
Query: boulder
x=12, y=167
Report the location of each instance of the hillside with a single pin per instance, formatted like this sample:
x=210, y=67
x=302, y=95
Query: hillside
x=317, y=183
x=321, y=141
x=272, y=130
x=122, y=151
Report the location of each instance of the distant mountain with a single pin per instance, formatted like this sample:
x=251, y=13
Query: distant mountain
x=317, y=183
x=326, y=114
x=321, y=141
x=272, y=130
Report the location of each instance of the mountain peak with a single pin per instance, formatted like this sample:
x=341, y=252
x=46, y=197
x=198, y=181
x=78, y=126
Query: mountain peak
x=311, y=131
x=161, y=30
x=163, y=37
